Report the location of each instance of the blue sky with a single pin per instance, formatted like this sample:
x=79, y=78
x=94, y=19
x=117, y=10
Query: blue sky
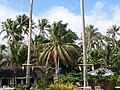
x=100, y=13
x=44, y=5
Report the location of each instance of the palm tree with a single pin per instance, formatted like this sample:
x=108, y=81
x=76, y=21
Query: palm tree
x=23, y=23
x=43, y=26
x=37, y=47
x=93, y=41
x=37, y=43
x=107, y=55
x=113, y=31
x=14, y=57
x=14, y=34
x=10, y=28
x=17, y=56
x=92, y=37
x=112, y=34
x=59, y=43
x=14, y=29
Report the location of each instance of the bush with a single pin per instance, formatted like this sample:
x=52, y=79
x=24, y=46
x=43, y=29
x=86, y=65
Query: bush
x=36, y=87
x=21, y=87
x=71, y=77
x=106, y=82
x=64, y=86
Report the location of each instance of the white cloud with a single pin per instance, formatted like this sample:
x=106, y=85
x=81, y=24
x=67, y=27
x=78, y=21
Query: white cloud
x=58, y=13
x=101, y=19
x=5, y=13
x=97, y=16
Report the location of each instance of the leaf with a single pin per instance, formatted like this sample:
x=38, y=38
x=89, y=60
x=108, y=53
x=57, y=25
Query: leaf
x=61, y=54
x=70, y=61
x=44, y=54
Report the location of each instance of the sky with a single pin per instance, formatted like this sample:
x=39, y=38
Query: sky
x=100, y=13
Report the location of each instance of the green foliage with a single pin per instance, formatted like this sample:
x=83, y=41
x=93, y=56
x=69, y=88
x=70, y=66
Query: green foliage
x=36, y=87
x=64, y=86
x=45, y=76
x=118, y=80
x=60, y=42
x=56, y=43
x=103, y=81
x=100, y=78
x=21, y=87
x=71, y=77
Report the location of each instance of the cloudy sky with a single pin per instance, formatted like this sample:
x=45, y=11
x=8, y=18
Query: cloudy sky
x=100, y=13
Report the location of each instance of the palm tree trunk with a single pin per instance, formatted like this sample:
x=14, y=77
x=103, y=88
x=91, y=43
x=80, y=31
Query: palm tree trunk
x=56, y=69
x=15, y=72
x=84, y=44
x=56, y=74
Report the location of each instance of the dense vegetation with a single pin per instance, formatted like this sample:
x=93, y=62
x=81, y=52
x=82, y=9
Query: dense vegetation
x=56, y=46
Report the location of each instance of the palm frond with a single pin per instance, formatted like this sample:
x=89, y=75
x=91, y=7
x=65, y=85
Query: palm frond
x=70, y=61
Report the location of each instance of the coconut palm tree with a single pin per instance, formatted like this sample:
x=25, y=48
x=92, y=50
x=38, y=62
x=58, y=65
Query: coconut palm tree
x=16, y=55
x=92, y=37
x=93, y=41
x=113, y=31
x=112, y=34
x=59, y=43
x=10, y=28
x=23, y=23
x=37, y=47
x=14, y=34
x=37, y=43
x=14, y=29
x=43, y=25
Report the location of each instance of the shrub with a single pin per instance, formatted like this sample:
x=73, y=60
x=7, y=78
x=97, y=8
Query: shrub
x=64, y=86
x=71, y=77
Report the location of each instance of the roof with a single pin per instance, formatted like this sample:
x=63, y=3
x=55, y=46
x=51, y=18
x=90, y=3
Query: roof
x=7, y=72
x=101, y=71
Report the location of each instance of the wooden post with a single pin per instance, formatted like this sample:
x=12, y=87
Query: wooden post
x=29, y=46
x=86, y=66
x=84, y=44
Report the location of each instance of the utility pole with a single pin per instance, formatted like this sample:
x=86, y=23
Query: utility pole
x=84, y=44
x=29, y=46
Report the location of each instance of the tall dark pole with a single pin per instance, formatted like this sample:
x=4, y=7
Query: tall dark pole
x=29, y=46
x=84, y=44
